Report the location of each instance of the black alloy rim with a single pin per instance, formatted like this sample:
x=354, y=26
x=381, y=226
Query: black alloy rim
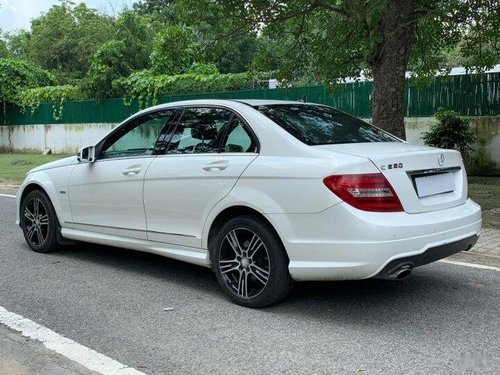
x=244, y=263
x=36, y=222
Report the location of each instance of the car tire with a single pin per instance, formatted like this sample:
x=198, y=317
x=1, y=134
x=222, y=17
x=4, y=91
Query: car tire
x=39, y=222
x=251, y=263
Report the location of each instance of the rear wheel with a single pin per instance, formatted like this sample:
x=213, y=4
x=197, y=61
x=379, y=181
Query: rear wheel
x=39, y=222
x=251, y=263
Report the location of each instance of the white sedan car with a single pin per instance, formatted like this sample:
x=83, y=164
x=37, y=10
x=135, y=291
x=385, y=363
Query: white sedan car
x=264, y=192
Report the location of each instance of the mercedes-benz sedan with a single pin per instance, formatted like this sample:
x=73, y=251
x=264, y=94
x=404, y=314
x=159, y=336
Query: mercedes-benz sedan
x=264, y=192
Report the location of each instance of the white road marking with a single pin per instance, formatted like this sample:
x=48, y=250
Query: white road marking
x=86, y=357
x=7, y=195
x=472, y=265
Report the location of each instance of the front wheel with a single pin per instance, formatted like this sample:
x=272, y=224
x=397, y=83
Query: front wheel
x=39, y=222
x=250, y=262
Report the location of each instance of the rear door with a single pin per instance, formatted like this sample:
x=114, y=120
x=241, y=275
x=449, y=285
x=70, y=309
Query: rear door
x=207, y=153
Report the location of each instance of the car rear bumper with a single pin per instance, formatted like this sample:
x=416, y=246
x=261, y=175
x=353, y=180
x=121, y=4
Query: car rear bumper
x=343, y=243
x=428, y=256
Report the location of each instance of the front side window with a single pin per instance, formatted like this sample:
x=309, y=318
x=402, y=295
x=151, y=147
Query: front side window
x=321, y=125
x=139, y=137
x=200, y=130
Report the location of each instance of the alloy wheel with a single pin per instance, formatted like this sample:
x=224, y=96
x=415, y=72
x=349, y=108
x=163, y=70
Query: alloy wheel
x=244, y=263
x=36, y=222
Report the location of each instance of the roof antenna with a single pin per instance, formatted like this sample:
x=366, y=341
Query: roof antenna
x=303, y=99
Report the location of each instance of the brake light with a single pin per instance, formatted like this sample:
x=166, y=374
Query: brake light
x=367, y=192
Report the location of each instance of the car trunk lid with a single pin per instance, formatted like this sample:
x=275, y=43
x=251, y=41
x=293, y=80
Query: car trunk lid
x=424, y=178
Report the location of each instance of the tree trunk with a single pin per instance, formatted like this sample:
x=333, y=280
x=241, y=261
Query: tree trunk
x=389, y=62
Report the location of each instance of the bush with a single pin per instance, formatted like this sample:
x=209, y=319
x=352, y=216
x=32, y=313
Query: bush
x=18, y=75
x=452, y=131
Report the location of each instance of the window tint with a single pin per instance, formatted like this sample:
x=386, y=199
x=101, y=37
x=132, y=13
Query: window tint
x=199, y=131
x=319, y=125
x=139, y=137
x=239, y=139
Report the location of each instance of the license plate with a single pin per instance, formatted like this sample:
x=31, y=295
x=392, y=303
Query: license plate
x=435, y=184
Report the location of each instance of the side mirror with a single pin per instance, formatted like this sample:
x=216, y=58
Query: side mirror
x=86, y=154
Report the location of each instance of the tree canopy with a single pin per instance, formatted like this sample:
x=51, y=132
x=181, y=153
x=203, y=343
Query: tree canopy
x=63, y=39
x=331, y=40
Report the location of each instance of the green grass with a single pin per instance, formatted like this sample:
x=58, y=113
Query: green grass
x=486, y=192
x=483, y=190
x=13, y=167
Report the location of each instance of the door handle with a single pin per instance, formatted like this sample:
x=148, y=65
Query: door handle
x=218, y=165
x=131, y=171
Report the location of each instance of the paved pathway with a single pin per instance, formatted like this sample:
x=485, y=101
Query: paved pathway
x=488, y=243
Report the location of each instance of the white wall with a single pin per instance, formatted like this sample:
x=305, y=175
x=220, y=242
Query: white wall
x=60, y=138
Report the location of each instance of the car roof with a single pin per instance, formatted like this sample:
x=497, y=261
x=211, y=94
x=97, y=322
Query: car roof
x=234, y=104
x=257, y=102
x=228, y=102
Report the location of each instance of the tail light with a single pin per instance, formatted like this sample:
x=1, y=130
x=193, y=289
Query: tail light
x=367, y=192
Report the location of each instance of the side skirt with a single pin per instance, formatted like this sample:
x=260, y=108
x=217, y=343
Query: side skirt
x=186, y=254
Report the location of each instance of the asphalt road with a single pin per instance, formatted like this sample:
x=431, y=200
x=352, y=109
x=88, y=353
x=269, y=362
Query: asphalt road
x=442, y=320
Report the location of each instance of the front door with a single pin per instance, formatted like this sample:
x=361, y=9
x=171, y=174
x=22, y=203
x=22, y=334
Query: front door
x=106, y=196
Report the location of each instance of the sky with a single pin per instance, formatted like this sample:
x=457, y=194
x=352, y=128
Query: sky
x=16, y=14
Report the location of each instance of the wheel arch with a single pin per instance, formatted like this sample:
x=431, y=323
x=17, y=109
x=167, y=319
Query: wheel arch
x=229, y=213
x=31, y=187
x=48, y=188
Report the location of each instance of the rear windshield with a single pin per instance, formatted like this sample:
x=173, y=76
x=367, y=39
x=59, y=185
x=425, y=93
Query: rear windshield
x=321, y=125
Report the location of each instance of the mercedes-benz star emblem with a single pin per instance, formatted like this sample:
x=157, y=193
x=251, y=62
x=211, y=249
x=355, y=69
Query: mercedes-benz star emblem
x=441, y=160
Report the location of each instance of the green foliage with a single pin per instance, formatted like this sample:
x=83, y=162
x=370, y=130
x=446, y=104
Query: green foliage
x=163, y=10
x=128, y=51
x=456, y=33
x=4, y=52
x=17, y=44
x=331, y=40
x=146, y=87
x=56, y=95
x=63, y=39
x=216, y=38
x=173, y=50
x=17, y=75
x=338, y=39
x=203, y=69
x=452, y=131
x=137, y=32
x=107, y=64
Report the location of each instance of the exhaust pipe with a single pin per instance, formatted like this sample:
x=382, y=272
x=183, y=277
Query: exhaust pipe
x=402, y=272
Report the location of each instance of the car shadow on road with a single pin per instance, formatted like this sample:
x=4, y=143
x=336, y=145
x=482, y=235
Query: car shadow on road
x=431, y=290
x=143, y=264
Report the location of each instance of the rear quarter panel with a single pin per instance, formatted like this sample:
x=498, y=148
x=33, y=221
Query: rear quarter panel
x=288, y=185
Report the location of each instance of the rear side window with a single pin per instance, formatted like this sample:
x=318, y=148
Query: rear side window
x=200, y=130
x=321, y=125
x=238, y=138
